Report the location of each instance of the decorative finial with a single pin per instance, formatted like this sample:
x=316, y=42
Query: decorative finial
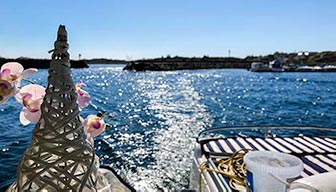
x=61, y=46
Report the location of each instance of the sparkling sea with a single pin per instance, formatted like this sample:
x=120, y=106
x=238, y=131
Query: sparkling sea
x=158, y=114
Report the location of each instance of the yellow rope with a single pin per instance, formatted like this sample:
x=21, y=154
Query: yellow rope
x=231, y=167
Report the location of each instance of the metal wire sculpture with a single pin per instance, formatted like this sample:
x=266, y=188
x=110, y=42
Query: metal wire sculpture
x=59, y=158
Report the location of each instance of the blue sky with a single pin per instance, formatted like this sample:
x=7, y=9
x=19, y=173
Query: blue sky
x=154, y=28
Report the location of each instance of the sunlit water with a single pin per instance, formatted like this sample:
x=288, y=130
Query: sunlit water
x=158, y=114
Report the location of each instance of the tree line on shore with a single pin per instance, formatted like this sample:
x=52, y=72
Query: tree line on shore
x=40, y=63
x=205, y=62
x=178, y=62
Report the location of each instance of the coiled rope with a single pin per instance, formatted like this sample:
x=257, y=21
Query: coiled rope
x=232, y=167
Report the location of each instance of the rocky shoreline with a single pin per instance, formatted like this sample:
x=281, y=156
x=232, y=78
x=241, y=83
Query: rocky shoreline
x=41, y=63
x=167, y=66
x=183, y=63
x=105, y=61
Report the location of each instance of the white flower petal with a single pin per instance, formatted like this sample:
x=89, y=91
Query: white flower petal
x=15, y=67
x=34, y=117
x=23, y=119
x=36, y=90
x=28, y=72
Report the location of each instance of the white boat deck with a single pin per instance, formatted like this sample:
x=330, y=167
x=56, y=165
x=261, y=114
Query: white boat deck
x=317, y=153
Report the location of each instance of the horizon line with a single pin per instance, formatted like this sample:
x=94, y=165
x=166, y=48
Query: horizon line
x=172, y=56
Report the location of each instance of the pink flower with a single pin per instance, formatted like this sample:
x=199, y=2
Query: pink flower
x=94, y=126
x=13, y=72
x=11, y=75
x=83, y=99
x=33, y=105
x=31, y=96
x=6, y=91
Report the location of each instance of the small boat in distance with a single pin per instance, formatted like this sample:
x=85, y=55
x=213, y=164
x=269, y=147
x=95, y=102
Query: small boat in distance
x=273, y=66
x=276, y=66
x=217, y=149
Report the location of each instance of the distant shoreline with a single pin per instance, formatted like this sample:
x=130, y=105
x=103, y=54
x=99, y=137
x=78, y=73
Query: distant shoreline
x=105, y=61
x=44, y=63
x=182, y=63
x=41, y=63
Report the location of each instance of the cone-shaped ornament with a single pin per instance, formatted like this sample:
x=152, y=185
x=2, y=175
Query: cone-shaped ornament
x=59, y=157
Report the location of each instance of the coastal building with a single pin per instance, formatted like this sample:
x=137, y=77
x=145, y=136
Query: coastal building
x=272, y=66
x=276, y=66
x=258, y=67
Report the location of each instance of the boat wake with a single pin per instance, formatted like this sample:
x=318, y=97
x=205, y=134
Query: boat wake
x=182, y=116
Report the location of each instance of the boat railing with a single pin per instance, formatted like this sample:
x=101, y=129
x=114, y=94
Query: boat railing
x=263, y=131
